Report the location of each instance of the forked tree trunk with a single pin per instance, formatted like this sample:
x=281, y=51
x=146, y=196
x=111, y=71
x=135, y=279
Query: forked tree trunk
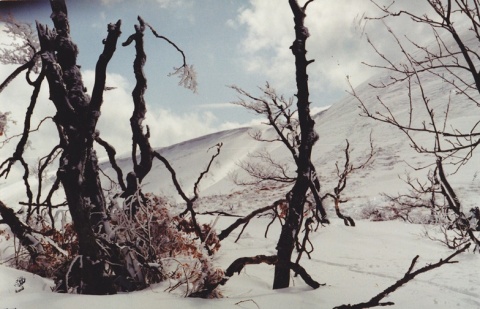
x=76, y=120
x=308, y=137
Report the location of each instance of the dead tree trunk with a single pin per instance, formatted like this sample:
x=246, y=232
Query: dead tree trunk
x=308, y=137
x=76, y=120
x=139, y=138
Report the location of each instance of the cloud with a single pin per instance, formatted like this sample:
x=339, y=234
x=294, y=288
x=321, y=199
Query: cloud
x=166, y=126
x=232, y=24
x=229, y=125
x=219, y=106
x=337, y=41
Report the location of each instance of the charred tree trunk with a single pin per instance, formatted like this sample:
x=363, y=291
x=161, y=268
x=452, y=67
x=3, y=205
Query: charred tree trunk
x=308, y=137
x=139, y=138
x=76, y=118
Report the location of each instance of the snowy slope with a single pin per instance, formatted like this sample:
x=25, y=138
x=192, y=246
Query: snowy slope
x=394, y=158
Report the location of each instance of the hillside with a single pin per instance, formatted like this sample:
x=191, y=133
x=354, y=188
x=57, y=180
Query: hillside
x=394, y=158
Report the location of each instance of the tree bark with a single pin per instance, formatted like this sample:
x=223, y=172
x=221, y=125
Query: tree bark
x=308, y=137
x=76, y=119
x=140, y=138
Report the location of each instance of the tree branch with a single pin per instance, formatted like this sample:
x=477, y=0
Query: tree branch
x=409, y=275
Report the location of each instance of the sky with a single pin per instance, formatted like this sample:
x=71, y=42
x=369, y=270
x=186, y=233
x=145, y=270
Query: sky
x=229, y=42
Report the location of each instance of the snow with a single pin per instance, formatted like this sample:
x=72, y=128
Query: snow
x=354, y=263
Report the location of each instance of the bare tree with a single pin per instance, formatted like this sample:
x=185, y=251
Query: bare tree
x=308, y=137
x=342, y=174
x=281, y=118
x=294, y=127
x=262, y=168
x=452, y=59
x=76, y=118
x=111, y=248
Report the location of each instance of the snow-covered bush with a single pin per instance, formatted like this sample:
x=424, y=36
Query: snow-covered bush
x=167, y=243
x=428, y=206
x=165, y=248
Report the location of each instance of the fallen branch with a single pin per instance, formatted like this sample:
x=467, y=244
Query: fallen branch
x=409, y=275
x=219, y=213
x=235, y=267
x=240, y=263
x=244, y=301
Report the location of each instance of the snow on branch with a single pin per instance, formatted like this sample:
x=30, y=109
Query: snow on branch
x=186, y=73
x=24, y=44
x=22, y=49
x=3, y=122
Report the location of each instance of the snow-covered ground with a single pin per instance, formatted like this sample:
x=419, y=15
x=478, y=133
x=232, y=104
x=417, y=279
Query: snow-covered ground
x=354, y=263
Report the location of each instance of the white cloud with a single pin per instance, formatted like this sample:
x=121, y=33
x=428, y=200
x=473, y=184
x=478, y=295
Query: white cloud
x=219, y=105
x=336, y=42
x=166, y=126
x=233, y=125
x=232, y=24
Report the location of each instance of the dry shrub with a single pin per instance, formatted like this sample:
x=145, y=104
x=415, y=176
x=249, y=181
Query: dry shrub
x=152, y=244
x=57, y=247
x=168, y=243
x=211, y=238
